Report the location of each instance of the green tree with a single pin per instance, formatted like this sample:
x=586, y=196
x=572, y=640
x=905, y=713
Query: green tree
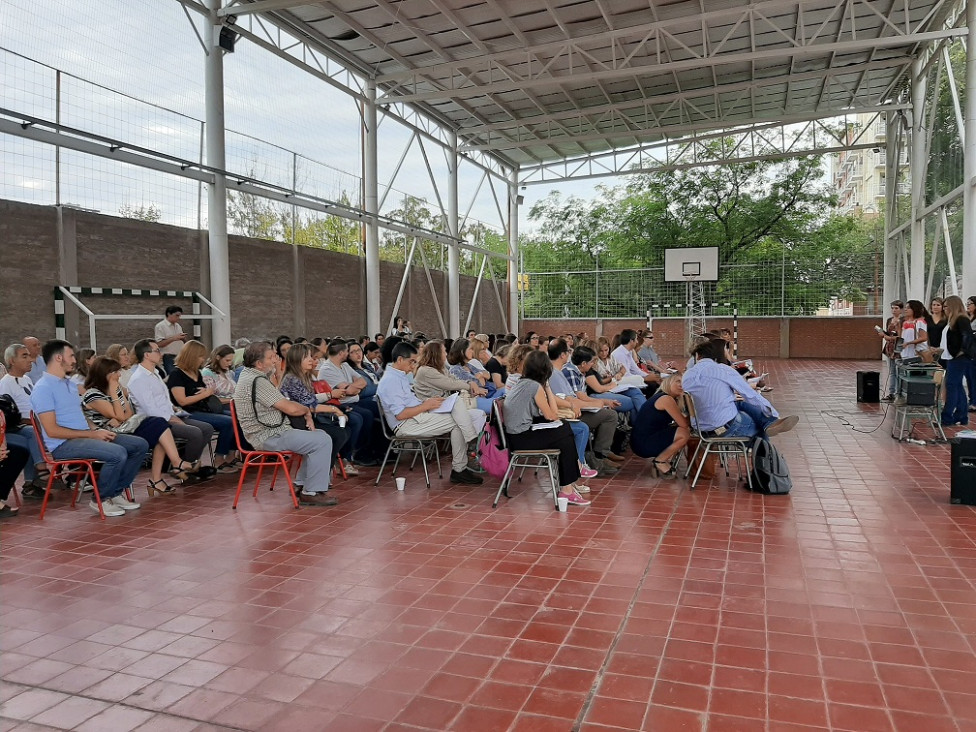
x=143, y=213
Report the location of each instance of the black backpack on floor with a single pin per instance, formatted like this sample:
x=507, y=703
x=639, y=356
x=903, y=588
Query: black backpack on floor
x=770, y=473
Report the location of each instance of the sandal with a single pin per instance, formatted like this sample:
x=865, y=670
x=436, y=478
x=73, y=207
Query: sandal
x=663, y=473
x=184, y=467
x=154, y=488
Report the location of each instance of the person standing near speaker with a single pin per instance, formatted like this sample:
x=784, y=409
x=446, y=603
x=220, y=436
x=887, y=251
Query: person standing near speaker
x=890, y=336
x=957, y=364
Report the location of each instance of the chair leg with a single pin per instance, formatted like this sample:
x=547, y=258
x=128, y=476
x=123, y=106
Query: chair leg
x=98, y=499
x=386, y=457
x=694, y=456
x=701, y=465
x=47, y=493
x=437, y=458
x=503, y=488
x=423, y=461
x=553, y=472
x=274, y=475
x=240, y=480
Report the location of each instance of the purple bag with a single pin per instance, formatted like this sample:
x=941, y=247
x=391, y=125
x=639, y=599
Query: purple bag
x=491, y=455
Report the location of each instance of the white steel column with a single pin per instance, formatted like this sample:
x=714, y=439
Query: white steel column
x=217, y=192
x=453, y=251
x=890, y=289
x=969, y=191
x=513, y=253
x=371, y=206
x=916, y=277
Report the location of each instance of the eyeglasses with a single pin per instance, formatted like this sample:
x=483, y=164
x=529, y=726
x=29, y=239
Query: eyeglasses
x=154, y=350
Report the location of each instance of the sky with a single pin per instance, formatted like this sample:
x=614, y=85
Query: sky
x=147, y=51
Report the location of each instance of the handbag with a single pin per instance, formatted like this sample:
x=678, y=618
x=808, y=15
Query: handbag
x=130, y=425
x=210, y=405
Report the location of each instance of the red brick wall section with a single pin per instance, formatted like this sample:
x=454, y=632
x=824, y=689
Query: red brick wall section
x=841, y=338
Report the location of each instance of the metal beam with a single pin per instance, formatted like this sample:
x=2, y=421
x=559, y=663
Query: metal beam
x=969, y=157
x=259, y=6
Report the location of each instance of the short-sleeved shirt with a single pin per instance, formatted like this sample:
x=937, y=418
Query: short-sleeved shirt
x=559, y=384
x=179, y=378
x=165, y=329
x=395, y=395
x=494, y=367
x=52, y=394
x=342, y=373
x=258, y=417
x=574, y=377
x=296, y=390
x=94, y=395
x=520, y=406
x=19, y=389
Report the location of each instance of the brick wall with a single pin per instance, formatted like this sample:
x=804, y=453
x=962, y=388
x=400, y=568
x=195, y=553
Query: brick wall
x=274, y=288
x=842, y=338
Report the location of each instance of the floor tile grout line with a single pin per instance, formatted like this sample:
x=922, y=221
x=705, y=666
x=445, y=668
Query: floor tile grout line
x=597, y=683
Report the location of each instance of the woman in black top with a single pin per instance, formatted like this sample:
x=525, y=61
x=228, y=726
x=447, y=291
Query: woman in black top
x=189, y=391
x=957, y=364
x=936, y=323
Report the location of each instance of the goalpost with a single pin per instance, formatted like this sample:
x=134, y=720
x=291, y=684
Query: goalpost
x=71, y=294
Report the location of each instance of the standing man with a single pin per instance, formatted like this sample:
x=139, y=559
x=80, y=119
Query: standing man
x=68, y=434
x=263, y=412
x=170, y=336
x=37, y=367
x=410, y=417
x=891, y=348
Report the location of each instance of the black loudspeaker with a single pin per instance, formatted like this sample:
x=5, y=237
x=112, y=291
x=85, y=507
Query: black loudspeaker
x=868, y=387
x=962, y=488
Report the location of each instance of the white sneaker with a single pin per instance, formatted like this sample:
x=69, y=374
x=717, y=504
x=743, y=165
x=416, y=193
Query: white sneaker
x=124, y=503
x=108, y=507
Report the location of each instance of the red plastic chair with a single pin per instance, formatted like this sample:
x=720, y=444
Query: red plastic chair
x=262, y=459
x=77, y=468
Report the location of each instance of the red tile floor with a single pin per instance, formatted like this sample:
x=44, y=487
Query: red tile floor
x=848, y=605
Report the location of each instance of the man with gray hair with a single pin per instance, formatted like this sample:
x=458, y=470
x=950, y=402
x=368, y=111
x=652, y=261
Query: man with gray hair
x=263, y=413
x=17, y=385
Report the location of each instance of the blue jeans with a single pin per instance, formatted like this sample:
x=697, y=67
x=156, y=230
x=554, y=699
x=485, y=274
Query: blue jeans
x=23, y=436
x=750, y=421
x=627, y=404
x=954, y=409
x=224, y=426
x=892, y=376
x=581, y=436
x=970, y=380
x=122, y=460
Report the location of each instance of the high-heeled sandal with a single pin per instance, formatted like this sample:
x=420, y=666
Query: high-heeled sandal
x=154, y=489
x=183, y=468
x=663, y=473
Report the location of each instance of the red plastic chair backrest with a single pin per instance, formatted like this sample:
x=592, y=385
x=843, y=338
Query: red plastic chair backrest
x=39, y=436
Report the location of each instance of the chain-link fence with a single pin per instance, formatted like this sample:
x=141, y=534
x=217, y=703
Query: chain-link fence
x=788, y=287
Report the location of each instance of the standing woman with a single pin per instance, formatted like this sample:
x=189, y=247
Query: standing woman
x=531, y=401
x=190, y=392
x=971, y=373
x=958, y=365
x=401, y=327
x=937, y=323
x=661, y=429
x=217, y=375
x=107, y=405
x=914, y=330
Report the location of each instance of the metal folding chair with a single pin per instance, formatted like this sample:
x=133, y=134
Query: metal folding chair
x=722, y=446
x=523, y=459
x=417, y=446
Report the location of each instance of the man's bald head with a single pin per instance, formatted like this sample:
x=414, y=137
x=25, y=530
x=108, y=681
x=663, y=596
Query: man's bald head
x=33, y=346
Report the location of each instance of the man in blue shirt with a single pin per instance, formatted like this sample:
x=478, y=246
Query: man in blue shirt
x=725, y=404
x=68, y=434
x=410, y=417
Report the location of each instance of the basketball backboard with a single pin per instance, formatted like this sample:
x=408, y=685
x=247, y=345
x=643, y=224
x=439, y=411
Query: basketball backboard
x=691, y=264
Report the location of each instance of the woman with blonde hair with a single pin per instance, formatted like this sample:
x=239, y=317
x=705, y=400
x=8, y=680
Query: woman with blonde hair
x=958, y=365
x=118, y=352
x=516, y=357
x=431, y=380
x=662, y=430
x=190, y=392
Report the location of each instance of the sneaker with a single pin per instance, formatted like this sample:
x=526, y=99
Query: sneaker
x=605, y=467
x=228, y=467
x=32, y=491
x=972, y=407
x=108, y=507
x=350, y=469
x=587, y=472
x=575, y=499
x=582, y=488
x=466, y=477
x=124, y=503
x=783, y=424
x=367, y=462
x=317, y=499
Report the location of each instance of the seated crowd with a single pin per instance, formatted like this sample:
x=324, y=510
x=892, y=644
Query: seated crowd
x=165, y=400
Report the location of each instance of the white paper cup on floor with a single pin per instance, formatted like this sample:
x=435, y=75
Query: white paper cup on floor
x=562, y=503
x=401, y=483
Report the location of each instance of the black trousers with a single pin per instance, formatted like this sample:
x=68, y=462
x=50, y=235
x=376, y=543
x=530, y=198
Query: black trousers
x=340, y=438
x=11, y=467
x=559, y=438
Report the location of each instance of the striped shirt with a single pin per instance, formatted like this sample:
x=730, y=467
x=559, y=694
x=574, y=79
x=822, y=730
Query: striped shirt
x=714, y=387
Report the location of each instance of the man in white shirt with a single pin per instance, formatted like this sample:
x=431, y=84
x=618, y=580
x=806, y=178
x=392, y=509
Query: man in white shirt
x=624, y=354
x=150, y=396
x=18, y=386
x=170, y=337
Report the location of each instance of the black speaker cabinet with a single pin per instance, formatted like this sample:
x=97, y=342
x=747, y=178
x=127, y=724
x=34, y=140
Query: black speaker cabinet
x=868, y=387
x=962, y=488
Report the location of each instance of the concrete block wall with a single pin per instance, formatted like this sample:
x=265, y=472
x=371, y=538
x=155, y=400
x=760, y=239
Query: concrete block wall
x=275, y=288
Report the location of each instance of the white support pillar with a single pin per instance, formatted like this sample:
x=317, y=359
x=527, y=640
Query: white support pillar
x=217, y=192
x=916, y=275
x=453, y=251
x=513, y=252
x=890, y=289
x=371, y=205
x=969, y=156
